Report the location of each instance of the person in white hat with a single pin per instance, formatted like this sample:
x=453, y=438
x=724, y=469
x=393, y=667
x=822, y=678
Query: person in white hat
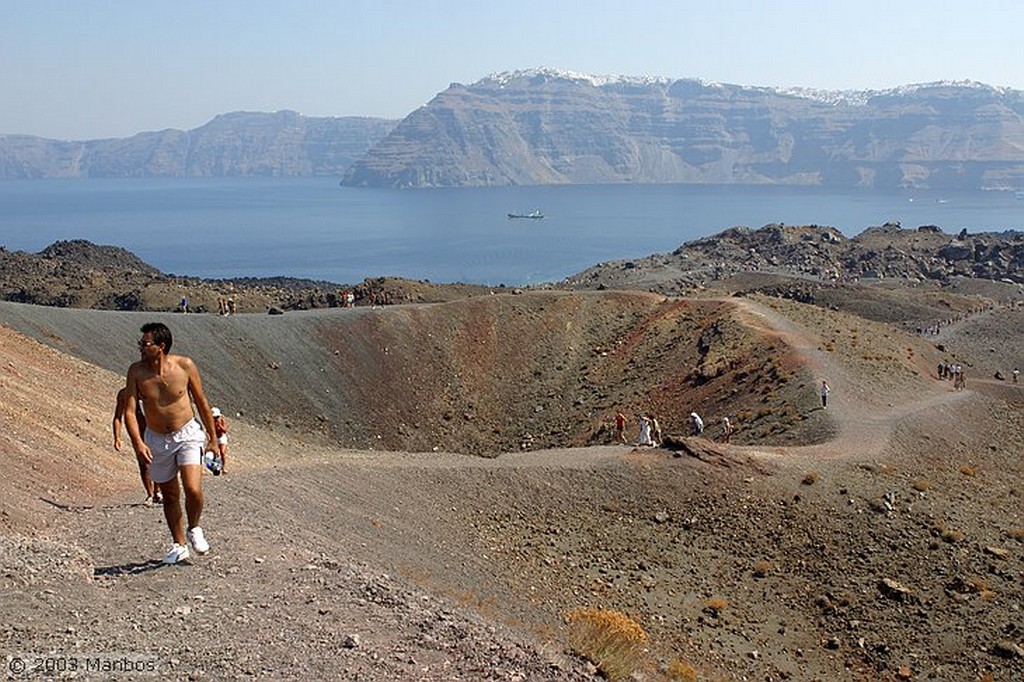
x=221, y=425
x=698, y=423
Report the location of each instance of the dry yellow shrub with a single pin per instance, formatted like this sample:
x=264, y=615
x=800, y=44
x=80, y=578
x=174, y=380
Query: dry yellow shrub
x=682, y=671
x=715, y=606
x=610, y=640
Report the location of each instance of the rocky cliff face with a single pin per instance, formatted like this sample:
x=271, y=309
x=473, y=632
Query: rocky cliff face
x=550, y=127
x=544, y=127
x=237, y=144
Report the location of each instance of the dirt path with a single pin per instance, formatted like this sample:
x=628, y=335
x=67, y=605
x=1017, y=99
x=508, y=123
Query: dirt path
x=865, y=418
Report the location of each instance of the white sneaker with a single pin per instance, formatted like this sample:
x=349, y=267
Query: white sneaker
x=199, y=543
x=177, y=553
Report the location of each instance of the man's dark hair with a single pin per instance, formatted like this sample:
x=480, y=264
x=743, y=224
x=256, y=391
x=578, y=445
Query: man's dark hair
x=161, y=334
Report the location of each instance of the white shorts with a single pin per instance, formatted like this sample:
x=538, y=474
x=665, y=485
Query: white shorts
x=173, y=450
x=223, y=440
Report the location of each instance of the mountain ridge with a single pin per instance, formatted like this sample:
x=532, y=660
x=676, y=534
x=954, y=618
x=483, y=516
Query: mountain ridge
x=547, y=126
x=240, y=143
x=551, y=126
x=827, y=95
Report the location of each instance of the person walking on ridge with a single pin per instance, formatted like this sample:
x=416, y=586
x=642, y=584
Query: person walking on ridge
x=698, y=423
x=825, y=390
x=726, y=430
x=620, y=427
x=221, y=424
x=173, y=442
x=655, y=430
x=152, y=491
x=644, y=436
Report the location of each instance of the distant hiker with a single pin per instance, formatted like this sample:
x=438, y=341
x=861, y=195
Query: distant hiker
x=221, y=426
x=173, y=441
x=697, y=423
x=726, y=429
x=1016, y=373
x=232, y=309
x=938, y=371
x=152, y=492
x=184, y=304
x=620, y=427
x=825, y=390
x=655, y=430
x=644, y=437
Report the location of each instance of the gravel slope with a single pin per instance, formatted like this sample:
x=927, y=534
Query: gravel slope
x=890, y=550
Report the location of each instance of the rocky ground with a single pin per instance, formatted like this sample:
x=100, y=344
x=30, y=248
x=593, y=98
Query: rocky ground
x=811, y=254
x=404, y=502
x=79, y=274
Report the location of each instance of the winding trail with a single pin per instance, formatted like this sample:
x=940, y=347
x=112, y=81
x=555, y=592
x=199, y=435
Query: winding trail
x=865, y=424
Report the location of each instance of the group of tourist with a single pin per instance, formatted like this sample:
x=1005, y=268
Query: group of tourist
x=649, y=430
x=952, y=372
x=226, y=306
x=935, y=329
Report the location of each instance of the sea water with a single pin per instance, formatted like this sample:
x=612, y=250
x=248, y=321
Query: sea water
x=313, y=228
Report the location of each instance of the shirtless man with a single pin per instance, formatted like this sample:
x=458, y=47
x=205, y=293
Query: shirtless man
x=152, y=493
x=167, y=385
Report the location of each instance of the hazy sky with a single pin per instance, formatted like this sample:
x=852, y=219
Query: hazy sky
x=108, y=68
